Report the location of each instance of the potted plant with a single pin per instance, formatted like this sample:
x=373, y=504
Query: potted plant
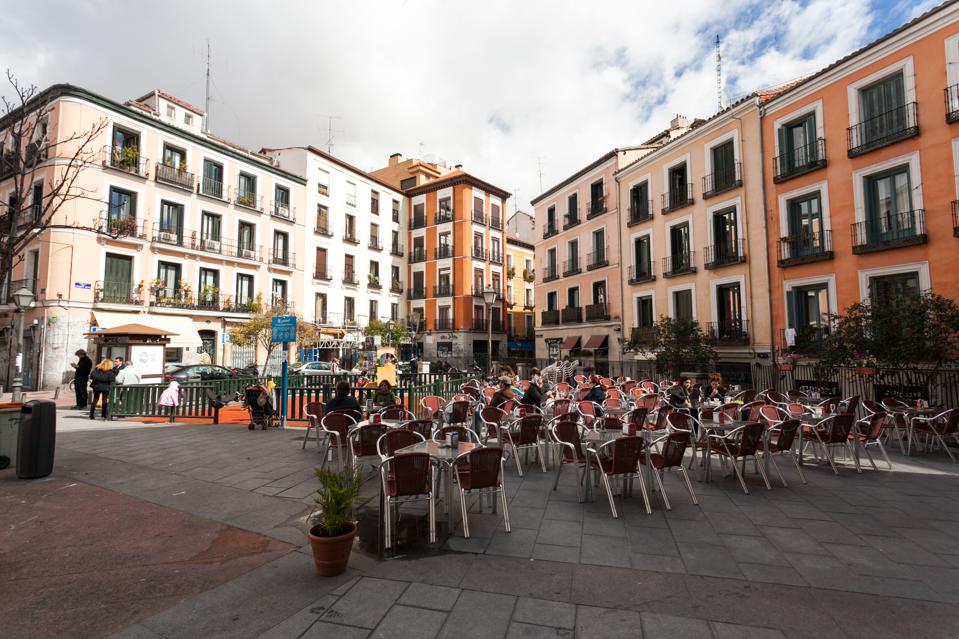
x=511, y=272
x=332, y=527
x=866, y=366
x=788, y=361
x=372, y=280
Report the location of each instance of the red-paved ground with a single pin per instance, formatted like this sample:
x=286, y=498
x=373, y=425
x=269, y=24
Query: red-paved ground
x=77, y=560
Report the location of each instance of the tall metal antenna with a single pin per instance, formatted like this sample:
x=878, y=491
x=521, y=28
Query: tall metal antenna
x=331, y=133
x=420, y=156
x=539, y=164
x=206, y=103
x=719, y=75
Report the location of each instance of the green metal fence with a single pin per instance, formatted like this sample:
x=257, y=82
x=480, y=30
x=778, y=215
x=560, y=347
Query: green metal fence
x=142, y=400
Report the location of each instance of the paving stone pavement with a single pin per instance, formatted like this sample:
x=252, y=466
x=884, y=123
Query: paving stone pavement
x=870, y=555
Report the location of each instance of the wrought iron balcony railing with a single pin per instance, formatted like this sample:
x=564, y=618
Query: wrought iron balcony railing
x=808, y=247
x=793, y=162
x=884, y=129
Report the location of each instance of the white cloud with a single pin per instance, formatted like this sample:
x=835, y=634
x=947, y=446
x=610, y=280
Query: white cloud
x=491, y=85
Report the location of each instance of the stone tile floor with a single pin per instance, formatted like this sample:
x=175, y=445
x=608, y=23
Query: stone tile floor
x=871, y=555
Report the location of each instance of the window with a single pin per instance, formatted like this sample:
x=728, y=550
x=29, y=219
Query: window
x=572, y=256
x=444, y=207
x=126, y=150
x=572, y=208
x=349, y=274
x=419, y=216
x=281, y=201
x=679, y=194
x=171, y=222
x=174, y=157
x=599, y=248
x=209, y=285
x=374, y=310
x=395, y=241
x=349, y=228
x=642, y=259
x=683, y=305
x=168, y=274
x=572, y=297
x=495, y=282
x=322, y=182
x=680, y=257
x=407, y=183
x=212, y=183
x=725, y=235
x=644, y=311
x=804, y=219
x=639, y=201
x=529, y=297
x=478, y=245
x=597, y=199
x=552, y=301
x=509, y=261
x=494, y=250
x=319, y=308
x=550, y=220
x=246, y=236
x=210, y=228
x=494, y=216
x=349, y=312
x=374, y=236
x=551, y=262
x=123, y=205
x=887, y=289
x=808, y=306
x=246, y=187
x=395, y=274
x=419, y=283
x=798, y=146
x=374, y=206
x=729, y=311
x=281, y=248
x=528, y=264
x=170, y=111
x=278, y=293
x=724, y=166
x=599, y=292
x=244, y=289
x=478, y=209
x=322, y=219
x=396, y=210
x=117, y=279
x=478, y=279
x=882, y=106
x=320, y=271
x=394, y=311
x=889, y=214
x=375, y=269
x=444, y=349
x=351, y=194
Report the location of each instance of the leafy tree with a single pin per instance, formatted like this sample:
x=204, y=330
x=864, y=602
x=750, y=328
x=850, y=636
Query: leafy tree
x=258, y=331
x=391, y=335
x=680, y=344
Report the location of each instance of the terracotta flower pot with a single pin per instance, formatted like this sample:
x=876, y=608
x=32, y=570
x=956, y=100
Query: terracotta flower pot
x=787, y=367
x=867, y=371
x=331, y=554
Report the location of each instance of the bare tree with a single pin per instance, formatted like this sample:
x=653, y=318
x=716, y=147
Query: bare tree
x=27, y=153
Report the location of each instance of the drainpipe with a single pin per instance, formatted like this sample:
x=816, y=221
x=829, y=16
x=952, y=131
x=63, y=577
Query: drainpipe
x=622, y=262
x=769, y=281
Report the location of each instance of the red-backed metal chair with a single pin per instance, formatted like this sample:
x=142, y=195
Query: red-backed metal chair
x=491, y=419
x=678, y=420
x=433, y=406
x=355, y=415
x=737, y=444
x=579, y=379
x=849, y=405
x=562, y=389
x=458, y=412
x=407, y=477
x=896, y=422
x=868, y=433
x=745, y=396
x=565, y=433
x=589, y=411
x=945, y=424
x=829, y=406
x=832, y=432
x=466, y=434
x=673, y=448
x=795, y=409
x=481, y=470
x=637, y=416
x=580, y=394
x=337, y=427
x=561, y=407
x=773, y=415
x=775, y=397
x=523, y=434
x=872, y=407
x=620, y=458
x=649, y=402
x=488, y=393
x=363, y=441
x=728, y=412
x=795, y=395
x=612, y=402
x=313, y=412
x=607, y=423
x=422, y=426
x=649, y=386
x=528, y=409
x=751, y=410
x=396, y=412
x=615, y=393
x=781, y=436
x=629, y=385
x=396, y=439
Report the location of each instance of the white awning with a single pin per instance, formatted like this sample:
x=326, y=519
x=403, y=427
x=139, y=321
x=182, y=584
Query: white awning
x=183, y=333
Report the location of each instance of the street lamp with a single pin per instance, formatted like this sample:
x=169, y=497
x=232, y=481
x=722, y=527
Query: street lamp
x=22, y=298
x=489, y=296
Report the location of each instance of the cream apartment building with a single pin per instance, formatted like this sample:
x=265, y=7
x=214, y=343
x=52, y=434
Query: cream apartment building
x=183, y=231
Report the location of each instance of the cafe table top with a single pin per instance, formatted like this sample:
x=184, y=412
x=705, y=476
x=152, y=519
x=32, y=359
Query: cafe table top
x=389, y=423
x=438, y=450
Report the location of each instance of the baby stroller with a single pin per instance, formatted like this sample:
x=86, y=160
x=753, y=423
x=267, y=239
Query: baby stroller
x=259, y=402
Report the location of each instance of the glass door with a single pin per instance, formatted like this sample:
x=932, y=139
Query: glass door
x=729, y=311
x=725, y=235
x=805, y=226
x=890, y=205
x=117, y=279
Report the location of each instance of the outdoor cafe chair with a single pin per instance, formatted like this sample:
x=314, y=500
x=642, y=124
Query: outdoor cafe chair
x=579, y=379
x=524, y=434
x=589, y=411
x=678, y=420
x=313, y=412
x=397, y=413
x=433, y=405
x=779, y=441
x=833, y=432
x=565, y=433
x=528, y=409
x=363, y=441
x=868, y=432
x=891, y=403
x=849, y=405
x=774, y=415
x=406, y=477
x=523, y=385
x=745, y=396
x=422, y=426
x=606, y=382
x=607, y=424
x=615, y=393
x=355, y=415
x=896, y=422
x=465, y=434
x=488, y=393
x=396, y=439
x=638, y=417
x=458, y=412
x=619, y=458
x=559, y=407
x=945, y=424
x=649, y=386
x=612, y=402
x=629, y=385
x=773, y=396
x=795, y=394
x=581, y=393
x=491, y=419
x=736, y=445
x=829, y=406
x=728, y=412
x=337, y=427
x=562, y=388
x=481, y=470
x=750, y=412
x=795, y=409
x=672, y=447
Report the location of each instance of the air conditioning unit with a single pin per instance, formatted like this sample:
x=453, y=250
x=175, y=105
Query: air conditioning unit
x=211, y=245
x=248, y=253
x=167, y=236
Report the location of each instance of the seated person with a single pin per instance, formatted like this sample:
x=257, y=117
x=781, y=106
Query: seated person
x=678, y=394
x=343, y=398
x=716, y=392
x=533, y=396
x=596, y=392
x=503, y=394
x=384, y=395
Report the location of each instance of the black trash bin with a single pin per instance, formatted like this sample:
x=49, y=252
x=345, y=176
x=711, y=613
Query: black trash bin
x=36, y=439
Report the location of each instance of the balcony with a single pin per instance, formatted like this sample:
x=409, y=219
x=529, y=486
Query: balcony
x=396, y=249
x=418, y=222
x=496, y=258
x=550, y=230
x=164, y=235
x=127, y=159
x=211, y=188
x=443, y=290
x=443, y=251
x=349, y=236
x=677, y=199
x=443, y=216
x=889, y=231
x=175, y=177
x=373, y=282
x=724, y=254
x=571, y=219
x=282, y=258
x=572, y=315
x=640, y=214
x=478, y=292
x=496, y=222
x=443, y=324
x=808, y=339
x=416, y=326
x=481, y=324
x=322, y=275
x=550, y=273
x=479, y=217
x=680, y=264
x=800, y=160
x=479, y=253
x=642, y=335
x=571, y=267
x=952, y=103
x=249, y=200
x=597, y=313
x=639, y=273
x=107, y=292
x=349, y=277
x=809, y=247
x=207, y=245
x=549, y=318
x=884, y=129
x=282, y=210
x=416, y=293
x=374, y=244
x=529, y=275
x=731, y=331
x=244, y=251
x=117, y=228
x=596, y=207
x=722, y=181
x=418, y=254
x=596, y=259
x=322, y=227
x=396, y=286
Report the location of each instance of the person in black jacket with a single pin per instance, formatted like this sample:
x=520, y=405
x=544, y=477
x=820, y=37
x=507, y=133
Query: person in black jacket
x=533, y=395
x=100, y=380
x=343, y=398
x=81, y=375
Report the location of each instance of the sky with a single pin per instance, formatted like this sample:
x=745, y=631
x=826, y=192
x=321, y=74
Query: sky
x=523, y=93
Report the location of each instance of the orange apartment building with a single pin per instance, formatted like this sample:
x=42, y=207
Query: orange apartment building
x=456, y=249
x=861, y=183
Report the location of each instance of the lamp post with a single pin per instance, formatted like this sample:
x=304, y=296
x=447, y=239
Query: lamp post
x=489, y=296
x=22, y=298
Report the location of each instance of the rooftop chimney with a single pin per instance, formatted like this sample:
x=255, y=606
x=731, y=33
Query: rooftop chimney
x=680, y=121
x=395, y=159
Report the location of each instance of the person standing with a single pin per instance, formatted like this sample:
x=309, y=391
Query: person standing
x=117, y=365
x=81, y=376
x=101, y=379
x=128, y=375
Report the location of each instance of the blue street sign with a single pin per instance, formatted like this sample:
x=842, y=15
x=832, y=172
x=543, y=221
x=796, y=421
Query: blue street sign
x=284, y=328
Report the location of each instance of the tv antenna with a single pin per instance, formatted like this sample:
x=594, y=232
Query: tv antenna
x=331, y=132
x=209, y=98
x=539, y=165
x=719, y=75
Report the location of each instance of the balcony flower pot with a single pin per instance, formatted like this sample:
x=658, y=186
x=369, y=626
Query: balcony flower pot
x=786, y=366
x=867, y=371
x=333, y=528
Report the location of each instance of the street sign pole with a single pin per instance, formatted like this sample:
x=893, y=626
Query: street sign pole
x=284, y=388
x=283, y=331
